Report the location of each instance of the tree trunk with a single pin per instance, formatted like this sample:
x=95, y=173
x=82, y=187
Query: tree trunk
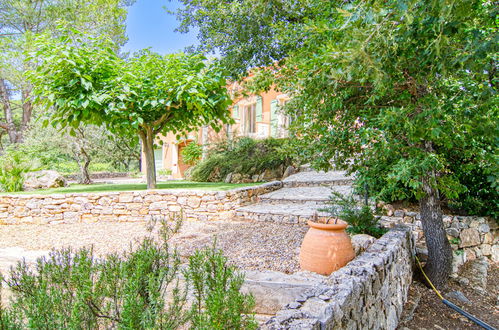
x=84, y=175
x=27, y=113
x=439, y=265
x=82, y=157
x=9, y=126
x=147, y=138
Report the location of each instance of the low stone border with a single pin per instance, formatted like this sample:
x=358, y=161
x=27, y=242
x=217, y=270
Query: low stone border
x=471, y=237
x=368, y=293
x=127, y=205
x=99, y=175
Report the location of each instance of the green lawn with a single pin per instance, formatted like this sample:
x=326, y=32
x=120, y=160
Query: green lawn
x=101, y=187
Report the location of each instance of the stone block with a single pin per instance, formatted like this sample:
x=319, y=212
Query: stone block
x=452, y=232
x=361, y=242
x=155, y=206
x=125, y=197
x=469, y=237
x=486, y=249
x=484, y=228
x=494, y=255
x=194, y=202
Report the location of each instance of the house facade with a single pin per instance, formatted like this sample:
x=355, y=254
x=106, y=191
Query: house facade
x=256, y=116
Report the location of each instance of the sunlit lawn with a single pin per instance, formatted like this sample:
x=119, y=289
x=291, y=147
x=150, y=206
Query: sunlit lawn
x=102, y=187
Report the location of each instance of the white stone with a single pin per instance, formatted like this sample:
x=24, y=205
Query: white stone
x=43, y=180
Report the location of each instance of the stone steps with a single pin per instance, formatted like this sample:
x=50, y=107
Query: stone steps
x=300, y=199
x=282, y=212
x=317, y=179
x=303, y=195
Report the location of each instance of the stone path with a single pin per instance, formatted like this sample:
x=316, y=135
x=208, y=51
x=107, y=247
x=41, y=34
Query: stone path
x=303, y=195
x=11, y=255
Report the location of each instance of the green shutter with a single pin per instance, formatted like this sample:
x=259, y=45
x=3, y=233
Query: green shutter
x=274, y=106
x=259, y=108
x=235, y=112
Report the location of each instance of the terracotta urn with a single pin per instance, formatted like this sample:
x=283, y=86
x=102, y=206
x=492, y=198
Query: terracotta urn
x=326, y=247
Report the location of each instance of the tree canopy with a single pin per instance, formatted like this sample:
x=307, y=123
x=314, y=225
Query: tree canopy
x=20, y=22
x=391, y=89
x=85, y=81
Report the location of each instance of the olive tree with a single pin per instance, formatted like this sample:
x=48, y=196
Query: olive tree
x=85, y=82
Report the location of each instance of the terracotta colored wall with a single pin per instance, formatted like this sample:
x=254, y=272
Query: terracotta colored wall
x=170, y=139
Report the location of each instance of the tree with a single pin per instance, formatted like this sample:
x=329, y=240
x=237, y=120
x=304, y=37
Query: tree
x=20, y=20
x=86, y=82
x=54, y=149
x=399, y=83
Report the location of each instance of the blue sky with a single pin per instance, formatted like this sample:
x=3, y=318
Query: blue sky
x=149, y=25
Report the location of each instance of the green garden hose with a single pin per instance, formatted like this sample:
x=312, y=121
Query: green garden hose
x=454, y=307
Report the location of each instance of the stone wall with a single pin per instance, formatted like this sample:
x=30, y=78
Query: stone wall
x=368, y=293
x=471, y=237
x=126, y=206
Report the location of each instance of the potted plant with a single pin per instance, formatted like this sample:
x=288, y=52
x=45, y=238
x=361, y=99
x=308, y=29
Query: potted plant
x=326, y=246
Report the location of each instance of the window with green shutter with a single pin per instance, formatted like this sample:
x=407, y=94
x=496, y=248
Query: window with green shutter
x=259, y=108
x=235, y=112
x=274, y=123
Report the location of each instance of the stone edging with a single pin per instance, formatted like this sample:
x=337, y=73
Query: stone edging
x=127, y=205
x=368, y=293
x=471, y=237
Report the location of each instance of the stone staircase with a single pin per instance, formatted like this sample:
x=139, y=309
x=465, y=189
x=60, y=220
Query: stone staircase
x=302, y=195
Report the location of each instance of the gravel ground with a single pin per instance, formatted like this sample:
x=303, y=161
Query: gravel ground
x=249, y=245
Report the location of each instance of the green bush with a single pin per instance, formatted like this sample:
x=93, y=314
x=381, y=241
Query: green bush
x=191, y=153
x=475, y=187
x=13, y=165
x=74, y=290
x=360, y=218
x=219, y=304
x=137, y=289
x=65, y=167
x=245, y=156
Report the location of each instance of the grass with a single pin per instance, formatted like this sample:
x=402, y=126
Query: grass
x=105, y=187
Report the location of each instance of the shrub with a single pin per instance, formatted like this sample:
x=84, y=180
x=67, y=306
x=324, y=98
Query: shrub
x=191, y=153
x=474, y=184
x=13, y=165
x=360, y=218
x=72, y=289
x=137, y=289
x=218, y=304
x=245, y=156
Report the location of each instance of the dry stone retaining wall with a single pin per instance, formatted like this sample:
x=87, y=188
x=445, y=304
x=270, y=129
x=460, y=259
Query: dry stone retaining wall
x=471, y=237
x=127, y=205
x=368, y=293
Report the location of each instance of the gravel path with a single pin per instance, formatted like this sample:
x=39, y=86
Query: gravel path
x=249, y=245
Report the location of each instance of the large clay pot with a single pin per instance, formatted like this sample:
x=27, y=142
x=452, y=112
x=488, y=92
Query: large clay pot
x=326, y=248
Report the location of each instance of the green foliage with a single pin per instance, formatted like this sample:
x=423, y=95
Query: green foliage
x=21, y=21
x=245, y=156
x=191, y=154
x=56, y=150
x=86, y=82
x=13, y=165
x=219, y=304
x=137, y=289
x=360, y=218
x=164, y=172
x=397, y=82
x=73, y=289
x=402, y=108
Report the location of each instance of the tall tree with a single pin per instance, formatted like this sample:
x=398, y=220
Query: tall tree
x=398, y=82
x=86, y=82
x=20, y=20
